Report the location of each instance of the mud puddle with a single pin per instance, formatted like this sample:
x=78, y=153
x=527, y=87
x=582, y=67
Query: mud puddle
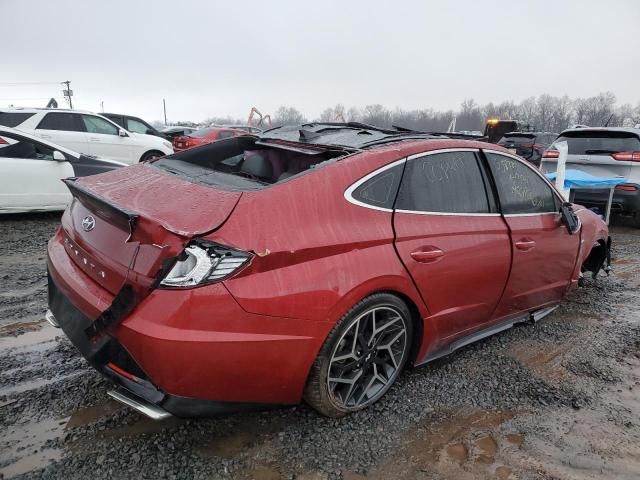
x=24, y=447
x=28, y=336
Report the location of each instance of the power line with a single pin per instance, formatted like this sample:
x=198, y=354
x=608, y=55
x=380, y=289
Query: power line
x=19, y=84
x=24, y=98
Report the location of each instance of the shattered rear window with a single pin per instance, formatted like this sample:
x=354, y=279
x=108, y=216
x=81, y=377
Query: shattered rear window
x=240, y=163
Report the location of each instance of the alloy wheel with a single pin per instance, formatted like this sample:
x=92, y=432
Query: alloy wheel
x=368, y=357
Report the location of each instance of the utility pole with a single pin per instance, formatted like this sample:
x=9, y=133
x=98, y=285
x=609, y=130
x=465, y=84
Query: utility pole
x=164, y=106
x=68, y=93
x=102, y=105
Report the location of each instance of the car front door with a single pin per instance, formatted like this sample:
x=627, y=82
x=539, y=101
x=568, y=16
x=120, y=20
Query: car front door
x=452, y=240
x=30, y=177
x=65, y=129
x=544, y=252
x=105, y=141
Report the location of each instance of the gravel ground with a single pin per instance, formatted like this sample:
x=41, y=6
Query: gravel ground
x=555, y=400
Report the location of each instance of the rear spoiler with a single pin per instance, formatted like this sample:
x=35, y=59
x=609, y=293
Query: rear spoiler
x=118, y=216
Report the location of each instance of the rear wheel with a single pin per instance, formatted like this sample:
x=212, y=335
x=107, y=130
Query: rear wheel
x=362, y=356
x=151, y=155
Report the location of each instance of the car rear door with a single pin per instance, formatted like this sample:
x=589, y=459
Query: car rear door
x=65, y=129
x=30, y=177
x=544, y=252
x=451, y=239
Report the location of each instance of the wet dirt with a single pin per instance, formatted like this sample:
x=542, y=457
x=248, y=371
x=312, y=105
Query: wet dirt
x=555, y=400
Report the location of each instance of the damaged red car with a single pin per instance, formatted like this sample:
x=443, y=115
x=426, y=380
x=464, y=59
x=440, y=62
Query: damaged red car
x=311, y=262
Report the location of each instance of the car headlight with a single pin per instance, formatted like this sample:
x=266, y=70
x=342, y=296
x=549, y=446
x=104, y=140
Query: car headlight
x=205, y=263
x=167, y=144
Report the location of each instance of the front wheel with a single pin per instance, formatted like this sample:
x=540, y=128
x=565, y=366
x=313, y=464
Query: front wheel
x=151, y=155
x=362, y=356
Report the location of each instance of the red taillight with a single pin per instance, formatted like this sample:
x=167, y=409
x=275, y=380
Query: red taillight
x=551, y=154
x=3, y=141
x=626, y=188
x=626, y=156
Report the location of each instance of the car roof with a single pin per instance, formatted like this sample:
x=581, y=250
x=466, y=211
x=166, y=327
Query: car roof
x=350, y=136
x=37, y=110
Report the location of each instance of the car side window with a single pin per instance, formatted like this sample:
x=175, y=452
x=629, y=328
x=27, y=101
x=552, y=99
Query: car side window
x=60, y=121
x=447, y=182
x=99, y=125
x=136, y=126
x=13, y=119
x=380, y=190
x=18, y=147
x=520, y=189
x=226, y=134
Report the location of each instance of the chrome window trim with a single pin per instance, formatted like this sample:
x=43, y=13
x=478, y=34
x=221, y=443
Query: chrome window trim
x=530, y=214
x=348, y=194
x=442, y=150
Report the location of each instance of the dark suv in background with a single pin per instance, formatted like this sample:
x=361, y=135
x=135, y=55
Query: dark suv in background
x=134, y=124
x=529, y=145
x=603, y=152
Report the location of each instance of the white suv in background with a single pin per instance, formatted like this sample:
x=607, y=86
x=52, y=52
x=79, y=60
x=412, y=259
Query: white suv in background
x=87, y=133
x=612, y=152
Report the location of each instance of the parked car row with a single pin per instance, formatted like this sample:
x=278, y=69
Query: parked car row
x=308, y=262
x=105, y=141
x=86, y=133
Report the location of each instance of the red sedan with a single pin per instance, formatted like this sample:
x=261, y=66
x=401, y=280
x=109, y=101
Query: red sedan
x=203, y=136
x=312, y=262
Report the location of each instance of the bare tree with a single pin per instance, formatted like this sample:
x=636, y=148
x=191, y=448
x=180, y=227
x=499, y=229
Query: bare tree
x=545, y=113
x=288, y=116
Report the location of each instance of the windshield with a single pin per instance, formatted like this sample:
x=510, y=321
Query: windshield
x=238, y=163
x=590, y=142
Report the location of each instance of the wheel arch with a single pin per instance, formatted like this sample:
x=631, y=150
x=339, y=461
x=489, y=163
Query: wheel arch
x=405, y=292
x=153, y=150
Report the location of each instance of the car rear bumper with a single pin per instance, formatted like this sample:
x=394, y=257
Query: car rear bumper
x=622, y=201
x=189, y=352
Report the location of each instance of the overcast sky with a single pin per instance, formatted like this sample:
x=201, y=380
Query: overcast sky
x=213, y=58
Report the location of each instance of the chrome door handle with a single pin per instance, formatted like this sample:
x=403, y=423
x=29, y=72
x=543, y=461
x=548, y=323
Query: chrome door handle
x=94, y=139
x=525, y=245
x=427, y=254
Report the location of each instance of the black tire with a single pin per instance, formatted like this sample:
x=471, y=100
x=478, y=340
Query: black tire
x=328, y=400
x=635, y=220
x=151, y=155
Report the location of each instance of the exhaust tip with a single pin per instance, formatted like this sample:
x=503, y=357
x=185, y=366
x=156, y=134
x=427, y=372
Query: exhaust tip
x=152, y=411
x=50, y=317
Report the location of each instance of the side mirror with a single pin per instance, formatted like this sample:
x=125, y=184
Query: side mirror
x=150, y=132
x=58, y=156
x=123, y=133
x=569, y=218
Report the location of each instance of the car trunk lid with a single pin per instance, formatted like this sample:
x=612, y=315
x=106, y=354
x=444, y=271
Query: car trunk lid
x=123, y=226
